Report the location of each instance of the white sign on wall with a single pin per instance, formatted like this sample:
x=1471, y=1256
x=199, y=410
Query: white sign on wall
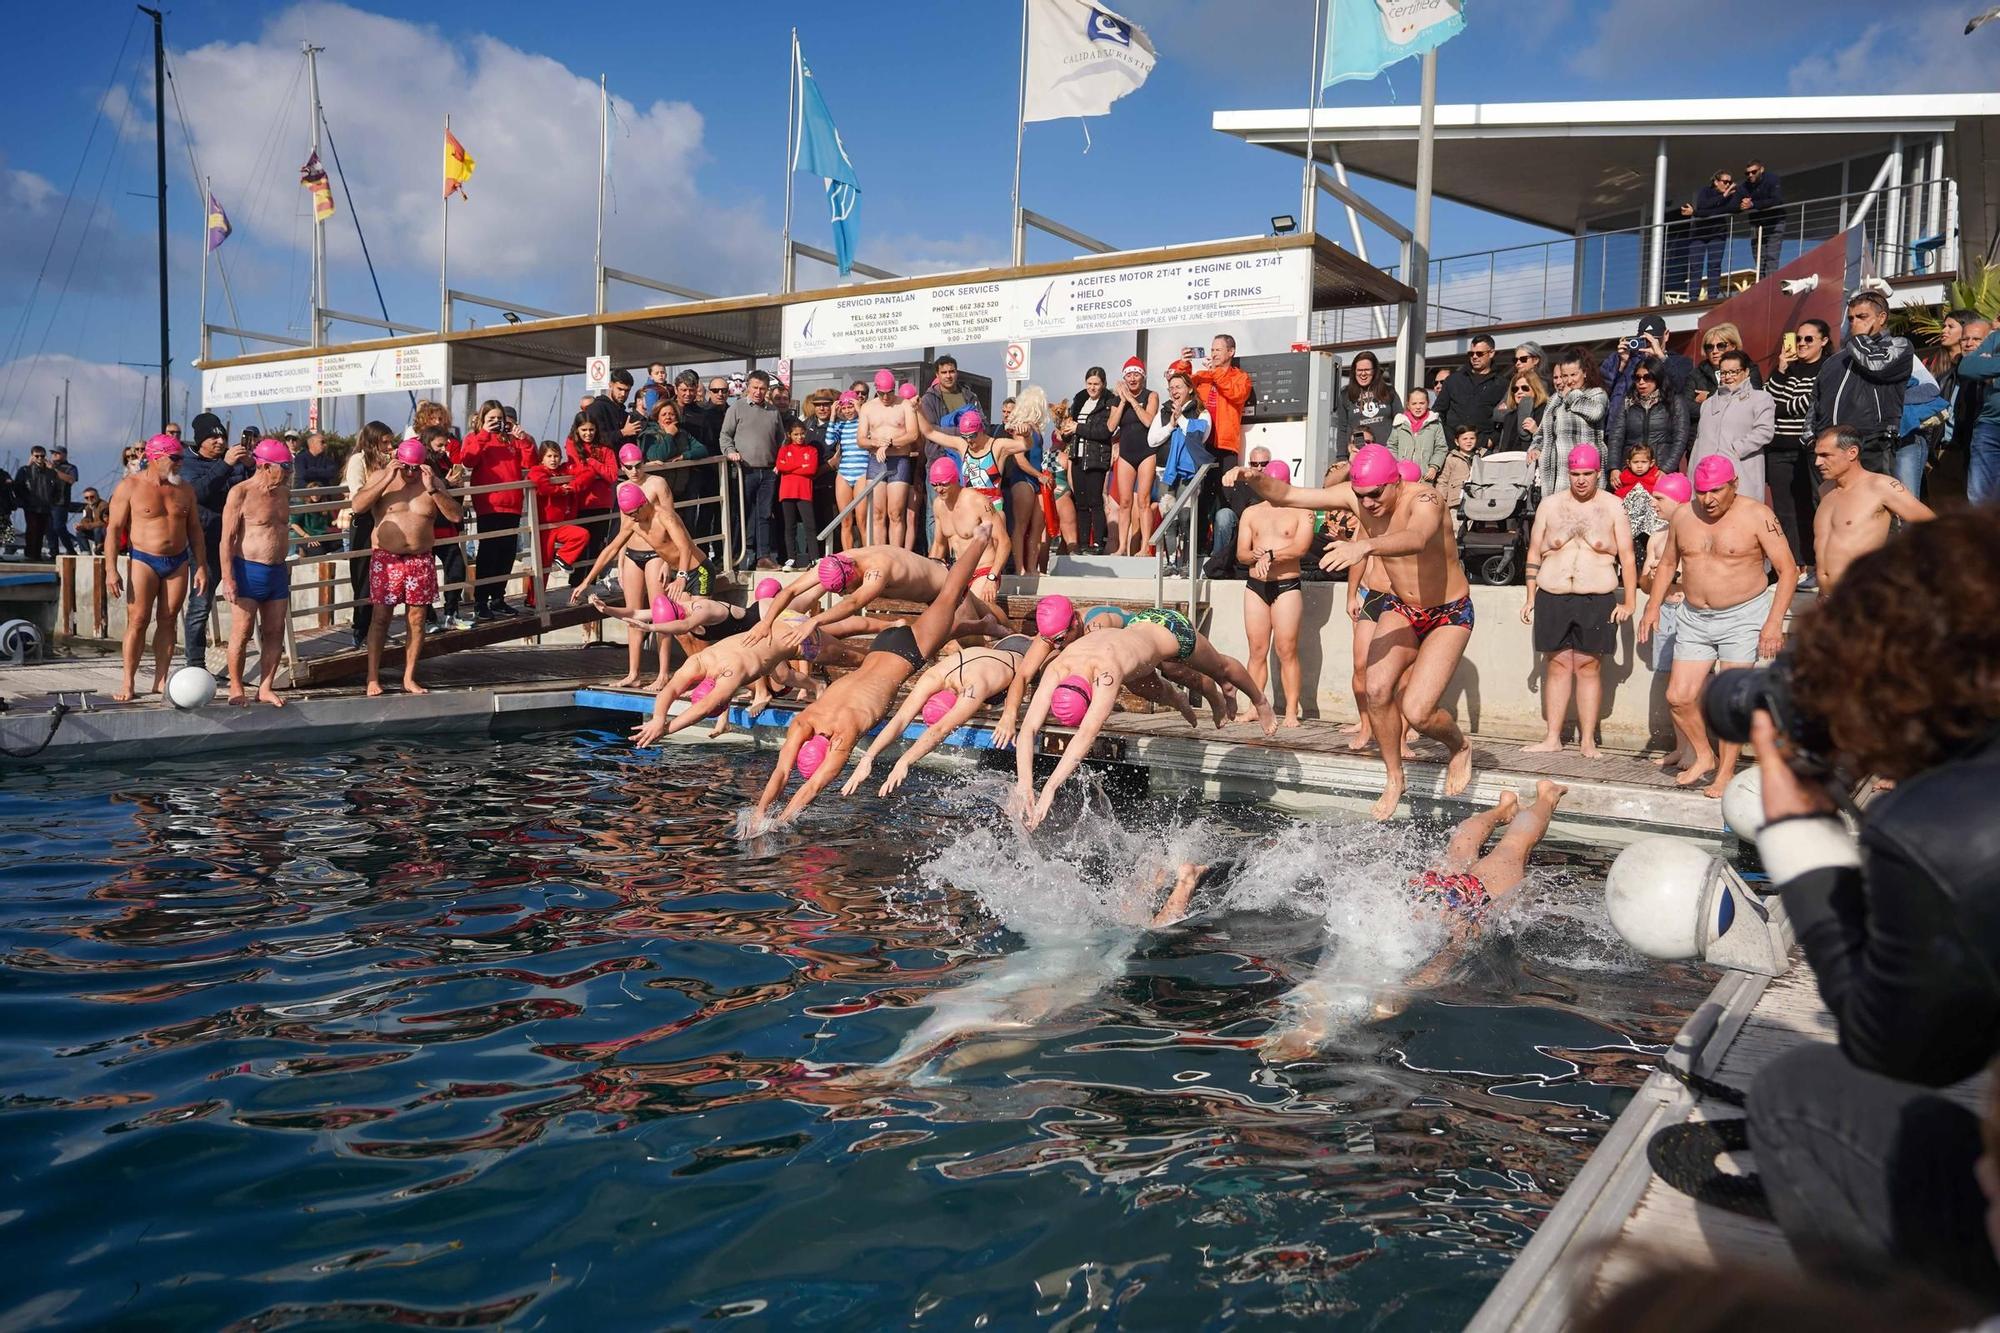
x=1018, y=361
x=597, y=374
x=332, y=375
x=1224, y=290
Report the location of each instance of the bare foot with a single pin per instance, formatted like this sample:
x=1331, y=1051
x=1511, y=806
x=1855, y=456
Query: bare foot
x=1547, y=745
x=237, y=699
x=658, y=683
x=625, y=682
x=1188, y=715
x=1508, y=805
x=1549, y=793
x=122, y=696
x=1673, y=758
x=270, y=696
x=1354, y=728
x=374, y=688
x=1361, y=744
x=1266, y=718
x=1384, y=809
x=1713, y=791
x=410, y=686
x=1588, y=748
x=1409, y=751
x=1458, y=771
x=1689, y=776
x=1293, y=722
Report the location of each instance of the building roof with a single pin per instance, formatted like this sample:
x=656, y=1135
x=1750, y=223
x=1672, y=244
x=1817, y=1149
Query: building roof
x=1496, y=156
x=749, y=326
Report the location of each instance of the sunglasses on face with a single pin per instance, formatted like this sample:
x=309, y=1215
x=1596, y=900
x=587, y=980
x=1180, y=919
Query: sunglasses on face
x=1254, y=463
x=1643, y=379
x=1373, y=493
x=1716, y=347
x=1521, y=360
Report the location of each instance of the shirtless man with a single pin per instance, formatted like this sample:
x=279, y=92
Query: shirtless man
x=889, y=432
x=256, y=580
x=1580, y=551
x=1733, y=615
x=1855, y=505
x=710, y=678
x=867, y=574
x=1080, y=688
x=650, y=527
x=153, y=513
x=1269, y=542
x=1426, y=614
x=960, y=512
x=405, y=498
x=947, y=694
x=825, y=730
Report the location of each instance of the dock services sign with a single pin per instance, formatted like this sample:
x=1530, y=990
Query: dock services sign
x=332, y=375
x=1225, y=289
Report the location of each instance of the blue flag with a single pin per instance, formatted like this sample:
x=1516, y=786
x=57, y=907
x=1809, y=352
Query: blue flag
x=1365, y=37
x=821, y=152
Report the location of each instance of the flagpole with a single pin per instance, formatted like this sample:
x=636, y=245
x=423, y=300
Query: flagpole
x=1020, y=125
x=207, y=199
x=318, y=299
x=792, y=94
x=444, y=249
x=1420, y=228
x=603, y=162
x=1309, y=206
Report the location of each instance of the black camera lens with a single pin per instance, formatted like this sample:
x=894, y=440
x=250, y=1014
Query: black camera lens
x=1733, y=697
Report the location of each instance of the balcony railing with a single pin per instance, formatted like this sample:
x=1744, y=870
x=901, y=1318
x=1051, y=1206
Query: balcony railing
x=1906, y=229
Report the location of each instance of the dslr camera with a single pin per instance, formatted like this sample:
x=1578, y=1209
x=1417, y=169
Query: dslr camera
x=1731, y=699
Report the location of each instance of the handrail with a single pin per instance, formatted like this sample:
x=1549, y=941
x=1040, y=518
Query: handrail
x=851, y=505
x=1191, y=494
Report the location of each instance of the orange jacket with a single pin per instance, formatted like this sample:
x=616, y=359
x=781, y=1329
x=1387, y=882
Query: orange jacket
x=1228, y=391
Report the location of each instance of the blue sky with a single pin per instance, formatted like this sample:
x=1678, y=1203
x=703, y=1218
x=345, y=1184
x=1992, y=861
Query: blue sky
x=924, y=96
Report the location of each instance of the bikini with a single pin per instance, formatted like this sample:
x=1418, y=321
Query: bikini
x=1424, y=619
x=166, y=566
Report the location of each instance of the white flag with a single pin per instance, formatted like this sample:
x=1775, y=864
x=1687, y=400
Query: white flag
x=1081, y=58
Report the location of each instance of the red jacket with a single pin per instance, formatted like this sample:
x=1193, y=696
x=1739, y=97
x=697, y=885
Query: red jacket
x=1230, y=392
x=1626, y=479
x=555, y=493
x=492, y=458
x=796, y=465
x=596, y=475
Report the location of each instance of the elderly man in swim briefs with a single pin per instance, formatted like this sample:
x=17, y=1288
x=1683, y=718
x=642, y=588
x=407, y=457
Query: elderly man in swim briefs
x=256, y=539
x=825, y=730
x=961, y=511
x=406, y=498
x=1855, y=505
x=863, y=576
x=1461, y=888
x=1080, y=688
x=1578, y=555
x=651, y=527
x=1269, y=542
x=1733, y=615
x=155, y=515
x=1426, y=614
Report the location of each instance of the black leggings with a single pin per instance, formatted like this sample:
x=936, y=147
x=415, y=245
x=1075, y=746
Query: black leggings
x=453, y=583
x=495, y=558
x=1794, y=481
x=1092, y=531
x=801, y=528
x=360, y=537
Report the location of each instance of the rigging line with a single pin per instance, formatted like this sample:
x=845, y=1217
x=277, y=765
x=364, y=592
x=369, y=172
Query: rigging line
x=201, y=190
x=355, y=213
x=263, y=166
x=27, y=311
x=69, y=274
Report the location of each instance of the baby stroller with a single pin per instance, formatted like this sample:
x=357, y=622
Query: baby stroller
x=1495, y=516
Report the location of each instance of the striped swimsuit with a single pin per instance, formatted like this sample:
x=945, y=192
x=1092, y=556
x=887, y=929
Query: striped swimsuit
x=853, y=458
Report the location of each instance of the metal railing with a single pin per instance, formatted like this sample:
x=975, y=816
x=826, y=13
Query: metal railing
x=1906, y=230
x=867, y=521
x=1190, y=500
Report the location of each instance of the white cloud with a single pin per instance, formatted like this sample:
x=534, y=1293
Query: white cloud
x=1923, y=48
x=105, y=411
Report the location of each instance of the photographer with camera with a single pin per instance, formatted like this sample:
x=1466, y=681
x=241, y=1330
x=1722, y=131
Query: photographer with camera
x=1895, y=675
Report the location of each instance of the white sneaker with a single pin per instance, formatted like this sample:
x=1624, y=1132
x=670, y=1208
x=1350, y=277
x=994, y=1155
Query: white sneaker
x=791, y=566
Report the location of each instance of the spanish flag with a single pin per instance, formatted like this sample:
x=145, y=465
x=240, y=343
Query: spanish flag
x=313, y=176
x=458, y=166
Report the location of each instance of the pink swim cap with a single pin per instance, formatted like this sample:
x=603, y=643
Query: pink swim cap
x=847, y=398
x=666, y=609
x=1713, y=473
x=970, y=422
x=1407, y=469
x=1585, y=458
x=907, y=392
x=1280, y=470
x=1372, y=466
x=1070, y=701
x=410, y=453
x=272, y=451
x=630, y=496
x=162, y=446
x=944, y=471
x=1055, y=615
x=885, y=381
x=768, y=588
x=811, y=755
x=938, y=705
x=1674, y=486
x=629, y=454
x=837, y=573
x=702, y=689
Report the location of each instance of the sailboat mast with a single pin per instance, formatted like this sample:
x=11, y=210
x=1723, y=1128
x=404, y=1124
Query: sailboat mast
x=318, y=297
x=160, y=193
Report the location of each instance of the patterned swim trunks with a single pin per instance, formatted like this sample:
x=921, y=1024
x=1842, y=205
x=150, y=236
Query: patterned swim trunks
x=1173, y=622
x=410, y=580
x=1463, y=894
